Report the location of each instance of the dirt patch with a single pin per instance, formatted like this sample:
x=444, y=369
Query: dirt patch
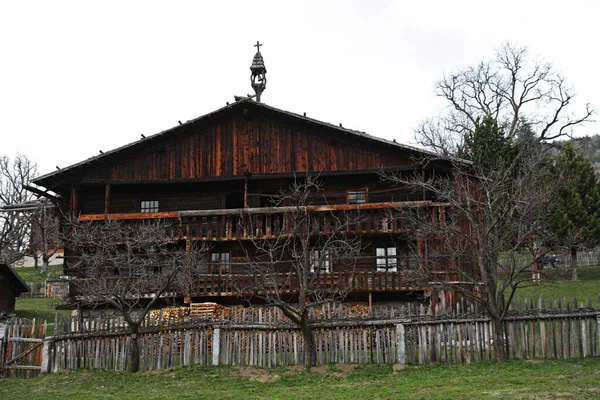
x=84, y=376
x=337, y=370
x=154, y=372
x=256, y=374
x=398, y=367
x=296, y=369
x=346, y=368
x=535, y=361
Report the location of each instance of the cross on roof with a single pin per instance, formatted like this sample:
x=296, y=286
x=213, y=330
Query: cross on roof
x=257, y=45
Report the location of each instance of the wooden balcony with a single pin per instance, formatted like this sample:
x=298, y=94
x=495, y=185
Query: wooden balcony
x=269, y=222
x=357, y=282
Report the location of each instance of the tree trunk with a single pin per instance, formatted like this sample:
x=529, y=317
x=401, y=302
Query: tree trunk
x=499, y=343
x=574, y=276
x=310, y=346
x=134, y=353
x=45, y=264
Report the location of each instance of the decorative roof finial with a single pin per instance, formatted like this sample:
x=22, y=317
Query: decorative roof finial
x=258, y=77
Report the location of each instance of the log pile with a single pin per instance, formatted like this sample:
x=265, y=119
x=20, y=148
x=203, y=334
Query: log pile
x=169, y=315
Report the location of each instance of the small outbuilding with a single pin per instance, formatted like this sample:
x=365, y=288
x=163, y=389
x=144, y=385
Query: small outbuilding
x=11, y=287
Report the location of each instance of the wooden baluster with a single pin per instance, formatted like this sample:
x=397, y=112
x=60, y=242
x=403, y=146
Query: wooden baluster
x=237, y=225
x=203, y=228
x=219, y=222
x=228, y=227
x=276, y=224
x=209, y=228
x=258, y=224
x=268, y=232
x=244, y=219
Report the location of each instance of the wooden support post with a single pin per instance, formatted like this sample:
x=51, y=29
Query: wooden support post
x=245, y=192
x=46, y=352
x=400, y=346
x=423, y=181
x=106, y=200
x=370, y=303
x=74, y=205
x=419, y=251
x=216, y=345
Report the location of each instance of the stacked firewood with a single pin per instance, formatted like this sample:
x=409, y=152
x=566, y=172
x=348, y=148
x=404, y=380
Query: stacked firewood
x=169, y=315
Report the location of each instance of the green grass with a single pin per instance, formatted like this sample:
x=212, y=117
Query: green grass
x=572, y=379
x=29, y=274
x=588, y=284
x=38, y=308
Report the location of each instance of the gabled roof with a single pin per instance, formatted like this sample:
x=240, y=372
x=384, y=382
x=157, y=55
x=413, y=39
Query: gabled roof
x=7, y=272
x=49, y=178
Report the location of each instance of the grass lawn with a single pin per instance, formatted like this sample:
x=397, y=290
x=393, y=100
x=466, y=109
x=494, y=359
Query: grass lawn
x=573, y=379
x=38, y=308
x=29, y=274
x=588, y=284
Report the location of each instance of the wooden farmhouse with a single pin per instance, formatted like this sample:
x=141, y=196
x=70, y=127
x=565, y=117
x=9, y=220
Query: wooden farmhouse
x=217, y=176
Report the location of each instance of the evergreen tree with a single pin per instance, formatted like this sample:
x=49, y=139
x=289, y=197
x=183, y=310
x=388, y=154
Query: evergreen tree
x=576, y=211
x=487, y=147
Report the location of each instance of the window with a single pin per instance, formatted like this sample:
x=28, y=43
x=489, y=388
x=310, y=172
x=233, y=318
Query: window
x=319, y=261
x=357, y=196
x=220, y=263
x=149, y=206
x=386, y=259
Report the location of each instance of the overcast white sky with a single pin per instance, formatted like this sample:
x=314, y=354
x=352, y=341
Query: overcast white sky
x=81, y=76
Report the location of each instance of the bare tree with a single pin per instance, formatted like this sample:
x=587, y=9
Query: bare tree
x=14, y=223
x=479, y=241
x=498, y=113
x=514, y=88
x=495, y=212
x=296, y=270
x=45, y=234
x=130, y=266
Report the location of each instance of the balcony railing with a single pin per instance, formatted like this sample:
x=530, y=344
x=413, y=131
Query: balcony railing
x=236, y=285
x=268, y=222
x=359, y=281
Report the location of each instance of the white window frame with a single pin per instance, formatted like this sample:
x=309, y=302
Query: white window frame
x=357, y=196
x=149, y=206
x=319, y=261
x=220, y=263
x=386, y=259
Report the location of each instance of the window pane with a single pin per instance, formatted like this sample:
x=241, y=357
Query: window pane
x=391, y=251
x=220, y=263
x=357, y=197
x=380, y=252
x=149, y=206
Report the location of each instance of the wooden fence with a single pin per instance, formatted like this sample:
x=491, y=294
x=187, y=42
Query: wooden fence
x=264, y=337
x=21, y=348
x=49, y=288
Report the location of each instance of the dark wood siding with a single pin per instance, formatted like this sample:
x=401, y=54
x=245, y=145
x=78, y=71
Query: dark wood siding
x=7, y=298
x=242, y=145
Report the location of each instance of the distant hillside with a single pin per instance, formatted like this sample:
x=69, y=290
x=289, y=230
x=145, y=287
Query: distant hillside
x=589, y=146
